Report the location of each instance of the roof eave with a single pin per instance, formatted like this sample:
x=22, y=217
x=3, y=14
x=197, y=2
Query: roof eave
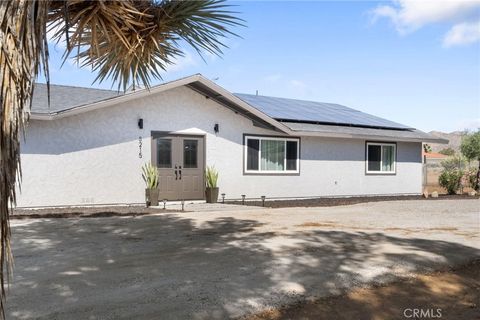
x=115, y=100
x=368, y=137
x=157, y=89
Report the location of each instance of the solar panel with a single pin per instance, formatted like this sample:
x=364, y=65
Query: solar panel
x=317, y=112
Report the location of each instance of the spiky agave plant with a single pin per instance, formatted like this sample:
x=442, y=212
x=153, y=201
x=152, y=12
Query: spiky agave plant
x=211, y=177
x=150, y=176
x=126, y=41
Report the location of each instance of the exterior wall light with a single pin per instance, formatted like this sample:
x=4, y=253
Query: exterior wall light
x=216, y=128
x=140, y=123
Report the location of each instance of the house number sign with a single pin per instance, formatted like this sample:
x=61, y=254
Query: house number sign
x=140, y=147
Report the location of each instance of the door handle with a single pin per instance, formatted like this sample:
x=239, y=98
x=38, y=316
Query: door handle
x=180, y=171
x=176, y=173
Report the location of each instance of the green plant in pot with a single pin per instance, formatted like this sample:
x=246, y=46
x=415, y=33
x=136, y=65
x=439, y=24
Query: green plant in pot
x=211, y=190
x=150, y=176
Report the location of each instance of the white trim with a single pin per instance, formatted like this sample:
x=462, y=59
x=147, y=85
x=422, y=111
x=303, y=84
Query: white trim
x=260, y=171
x=381, y=157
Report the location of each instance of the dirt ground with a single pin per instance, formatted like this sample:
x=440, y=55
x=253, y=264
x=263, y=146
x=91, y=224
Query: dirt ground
x=452, y=294
x=333, y=202
x=86, y=212
x=225, y=264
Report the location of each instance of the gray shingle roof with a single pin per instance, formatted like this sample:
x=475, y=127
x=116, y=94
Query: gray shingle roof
x=306, y=116
x=316, y=112
x=66, y=97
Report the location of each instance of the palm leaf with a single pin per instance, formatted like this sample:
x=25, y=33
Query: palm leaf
x=23, y=51
x=132, y=42
x=128, y=42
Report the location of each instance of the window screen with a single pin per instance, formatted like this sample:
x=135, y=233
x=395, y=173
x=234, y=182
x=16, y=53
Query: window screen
x=381, y=157
x=388, y=155
x=253, y=146
x=271, y=154
x=292, y=155
x=374, y=157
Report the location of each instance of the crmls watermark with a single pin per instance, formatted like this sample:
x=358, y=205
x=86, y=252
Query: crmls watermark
x=420, y=313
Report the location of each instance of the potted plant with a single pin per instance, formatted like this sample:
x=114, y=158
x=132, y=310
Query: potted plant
x=211, y=190
x=150, y=176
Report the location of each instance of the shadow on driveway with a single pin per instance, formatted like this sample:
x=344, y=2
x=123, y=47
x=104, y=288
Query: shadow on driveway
x=169, y=267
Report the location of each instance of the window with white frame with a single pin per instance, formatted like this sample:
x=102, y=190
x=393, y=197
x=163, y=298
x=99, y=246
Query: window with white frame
x=381, y=157
x=271, y=155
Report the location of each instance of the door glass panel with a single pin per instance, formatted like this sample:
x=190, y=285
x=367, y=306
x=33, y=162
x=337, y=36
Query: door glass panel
x=190, y=151
x=164, y=153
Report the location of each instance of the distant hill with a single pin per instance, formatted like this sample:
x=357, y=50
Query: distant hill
x=454, y=138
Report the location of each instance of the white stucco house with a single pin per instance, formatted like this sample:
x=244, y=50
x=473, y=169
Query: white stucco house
x=88, y=145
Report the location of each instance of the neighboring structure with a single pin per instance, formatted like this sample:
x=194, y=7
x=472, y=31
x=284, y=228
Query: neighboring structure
x=433, y=157
x=89, y=145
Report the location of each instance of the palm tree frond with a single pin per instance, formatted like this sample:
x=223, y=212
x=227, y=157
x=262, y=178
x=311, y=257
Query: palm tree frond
x=134, y=41
x=23, y=51
x=127, y=41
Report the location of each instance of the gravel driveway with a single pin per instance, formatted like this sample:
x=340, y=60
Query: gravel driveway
x=217, y=265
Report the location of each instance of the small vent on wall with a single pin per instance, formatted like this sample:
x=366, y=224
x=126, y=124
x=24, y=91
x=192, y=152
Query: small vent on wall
x=88, y=200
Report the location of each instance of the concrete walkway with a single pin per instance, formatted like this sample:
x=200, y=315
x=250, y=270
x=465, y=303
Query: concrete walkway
x=225, y=264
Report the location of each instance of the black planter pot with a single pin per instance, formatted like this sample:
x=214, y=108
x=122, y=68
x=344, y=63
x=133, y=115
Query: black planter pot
x=151, y=197
x=211, y=195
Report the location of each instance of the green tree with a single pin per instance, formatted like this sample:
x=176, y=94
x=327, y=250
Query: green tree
x=127, y=41
x=470, y=148
x=427, y=148
x=447, y=151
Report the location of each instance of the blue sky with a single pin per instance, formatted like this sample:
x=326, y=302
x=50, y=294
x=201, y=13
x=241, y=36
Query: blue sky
x=413, y=63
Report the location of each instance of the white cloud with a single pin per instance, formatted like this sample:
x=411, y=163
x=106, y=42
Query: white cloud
x=50, y=37
x=462, y=33
x=410, y=15
x=181, y=63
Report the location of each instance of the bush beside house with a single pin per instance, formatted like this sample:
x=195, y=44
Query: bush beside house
x=457, y=173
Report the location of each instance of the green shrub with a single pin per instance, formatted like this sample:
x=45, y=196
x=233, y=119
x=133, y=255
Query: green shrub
x=451, y=180
x=454, y=163
x=470, y=148
x=471, y=178
x=447, y=151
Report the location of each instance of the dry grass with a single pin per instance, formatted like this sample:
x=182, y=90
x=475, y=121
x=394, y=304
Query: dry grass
x=455, y=293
